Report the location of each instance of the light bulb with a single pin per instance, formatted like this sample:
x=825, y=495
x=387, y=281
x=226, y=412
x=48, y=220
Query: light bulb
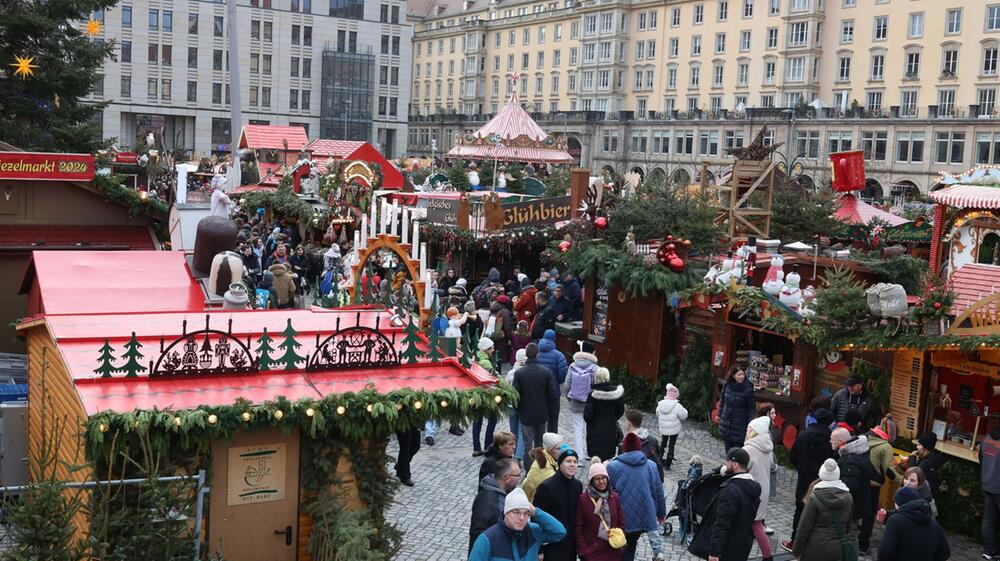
x=310, y=412
x=212, y=419
x=246, y=416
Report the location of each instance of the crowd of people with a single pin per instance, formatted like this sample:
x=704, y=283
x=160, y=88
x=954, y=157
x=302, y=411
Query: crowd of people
x=602, y=516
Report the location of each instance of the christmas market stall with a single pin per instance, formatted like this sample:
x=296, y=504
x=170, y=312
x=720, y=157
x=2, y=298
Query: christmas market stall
x=287, y=412
x=54, y=201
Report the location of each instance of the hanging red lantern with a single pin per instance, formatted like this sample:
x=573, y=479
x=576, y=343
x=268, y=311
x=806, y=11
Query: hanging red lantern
x=601, y=223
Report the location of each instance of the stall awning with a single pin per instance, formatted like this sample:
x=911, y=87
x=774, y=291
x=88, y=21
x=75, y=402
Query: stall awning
x=973, y=282
x=853, y=210
x=83, y=237
x=968, y=196
x=510, y=154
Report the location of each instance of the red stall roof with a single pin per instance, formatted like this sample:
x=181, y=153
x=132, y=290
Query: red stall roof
x=274, y=137
x=855, y=211
x=81, y=282
x=973, y=282
x=80, y=336
x=357, y=150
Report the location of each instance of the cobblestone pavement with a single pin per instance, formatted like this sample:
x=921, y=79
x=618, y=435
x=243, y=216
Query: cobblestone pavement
x=434, y=515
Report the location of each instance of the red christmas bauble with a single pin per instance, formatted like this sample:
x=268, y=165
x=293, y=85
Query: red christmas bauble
x=601, y=223
x=564, y=246
x=937, y=305
x=675, y=264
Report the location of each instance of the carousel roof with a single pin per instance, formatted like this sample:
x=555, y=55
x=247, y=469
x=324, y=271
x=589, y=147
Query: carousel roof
x=511, y=136
x=968, y=196
x=855, y=211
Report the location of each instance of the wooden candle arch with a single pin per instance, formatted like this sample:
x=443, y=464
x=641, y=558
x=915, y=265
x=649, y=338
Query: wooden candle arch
x=386, y=241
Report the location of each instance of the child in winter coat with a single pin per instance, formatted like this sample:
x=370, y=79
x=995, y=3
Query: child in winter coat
x=520, y=338
x=670, y=413
x=579, y=379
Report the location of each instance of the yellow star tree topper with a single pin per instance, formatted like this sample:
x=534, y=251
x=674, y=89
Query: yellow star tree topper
x=23, y=67
x=93, y=27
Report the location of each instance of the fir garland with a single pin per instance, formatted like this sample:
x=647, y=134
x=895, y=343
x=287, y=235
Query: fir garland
x=451, y=238
x=618, y=268
x=283, y=202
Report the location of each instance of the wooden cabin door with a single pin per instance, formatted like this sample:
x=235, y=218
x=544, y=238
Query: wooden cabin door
x=254, y=497
x=633, y=332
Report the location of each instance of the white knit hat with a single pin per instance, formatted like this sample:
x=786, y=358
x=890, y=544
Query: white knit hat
x=829, y=471
x=550, y=440
x=761, y=425
x=516, y=499
x=485, y=343
x=521, y=355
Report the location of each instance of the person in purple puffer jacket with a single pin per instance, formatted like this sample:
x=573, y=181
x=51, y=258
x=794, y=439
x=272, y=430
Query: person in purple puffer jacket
x=579, y=380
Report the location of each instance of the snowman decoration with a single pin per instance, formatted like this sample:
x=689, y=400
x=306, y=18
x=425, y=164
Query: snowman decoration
x=791, y=294
x=775, y=275
x=726, y=273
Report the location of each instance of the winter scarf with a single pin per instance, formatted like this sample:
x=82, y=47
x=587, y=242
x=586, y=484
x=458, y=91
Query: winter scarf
x=601, y=508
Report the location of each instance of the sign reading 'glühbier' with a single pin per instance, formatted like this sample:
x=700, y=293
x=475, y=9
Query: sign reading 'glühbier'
x=537, y=212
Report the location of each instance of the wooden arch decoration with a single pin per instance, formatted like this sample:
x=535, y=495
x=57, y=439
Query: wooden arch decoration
x=386, y=241
x=358, y=170
x=981, y=318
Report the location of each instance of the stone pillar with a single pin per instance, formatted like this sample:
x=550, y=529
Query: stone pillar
x=578, y=183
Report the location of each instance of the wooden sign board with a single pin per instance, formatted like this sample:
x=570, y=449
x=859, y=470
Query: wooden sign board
x=256, y=474
x=442, y=211
x=538, y=212
x=907, y=391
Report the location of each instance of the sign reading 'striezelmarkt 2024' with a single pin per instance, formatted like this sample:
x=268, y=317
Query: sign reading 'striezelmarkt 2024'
x=538, y=212
x=46, y=166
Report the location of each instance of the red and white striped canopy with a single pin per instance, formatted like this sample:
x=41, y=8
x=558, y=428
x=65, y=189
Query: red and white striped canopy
x=510, y=154
x=968, y=196
x=511, y=122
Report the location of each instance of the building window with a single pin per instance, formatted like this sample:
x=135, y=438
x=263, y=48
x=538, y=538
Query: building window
x=673, y=48
x=950, y=148
x=126, y=53
x=717, y=73
x=877, y=73
x=844, y=69
x=987, y=148
x=838, y=141
x=167, y=55
x=881, y=28
x=990, y=60
x=720, y=43
x=912, y=65
x=953, y=21
x=165, y=89
x=774, y=8
x=153, y=54
x=695, y=76
x=218, y=27
x=126, y=17
x=192, y=24
x=306, y=94
x=908, y=103
x=696, y=45
x=772, y=37
x=708, y=142
x=154, y=19
x=946, y=102
x=699, y=14
x=874, y=145
x=847, y=31
x=873, y=101
x=748, y=8
x=723, y=14
x=675, y=17
x=798, y=34
x=742, y=74
x=767, y=100
x=807, y=143
x=993, y=18
x=168, y=20
x=192, y=91
x=217, y=59
x=915, y=30
x=217, y=94
x=152, y=85
x=949, y=63
x=126, y=86
x=987, y=100
x=293, y=99
x=795, y=69
x=607, y=23
x=910, y=147
x=769, y=70
x=744, y=41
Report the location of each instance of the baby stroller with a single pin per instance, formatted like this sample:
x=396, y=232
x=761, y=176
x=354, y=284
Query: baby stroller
x=692, y=499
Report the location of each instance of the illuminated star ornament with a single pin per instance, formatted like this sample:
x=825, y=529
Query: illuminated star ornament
x=23, y=67
x=93, y=27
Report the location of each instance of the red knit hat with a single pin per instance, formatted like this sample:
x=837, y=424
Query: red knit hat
x=631, y=442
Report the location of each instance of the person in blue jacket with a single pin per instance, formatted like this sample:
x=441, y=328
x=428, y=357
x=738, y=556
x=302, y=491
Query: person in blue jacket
x=636, y=480
x=553, y=359
x=521, y=533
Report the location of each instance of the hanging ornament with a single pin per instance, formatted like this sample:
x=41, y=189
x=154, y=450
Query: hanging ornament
x=564, y=246
x=601, y=223
x=649, y=261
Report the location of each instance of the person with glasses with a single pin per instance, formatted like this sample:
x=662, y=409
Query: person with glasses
x=504, y=445
x=520, y=534
x=487, y=508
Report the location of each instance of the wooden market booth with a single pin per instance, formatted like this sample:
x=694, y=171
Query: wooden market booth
x=252, y=385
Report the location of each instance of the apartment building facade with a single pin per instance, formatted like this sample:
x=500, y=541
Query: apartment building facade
x=341, y=68
x=663, y=87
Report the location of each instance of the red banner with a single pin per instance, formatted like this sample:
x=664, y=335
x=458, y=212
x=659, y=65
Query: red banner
x=46, y=166
x=848, y=170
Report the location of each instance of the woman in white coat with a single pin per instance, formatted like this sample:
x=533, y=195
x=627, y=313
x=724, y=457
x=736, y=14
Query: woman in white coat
x=669, y=414
x=761, y=450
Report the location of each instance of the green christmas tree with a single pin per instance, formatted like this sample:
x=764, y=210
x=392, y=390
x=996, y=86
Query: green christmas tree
x=264, y=350
x=46, y=110
x=105, y=367
x=433, y=347
x=466, y=357
x=132, y=367
x=358, y=290
x=412, y=351
x=290, y=358
x=458, y=176
x=841, y=305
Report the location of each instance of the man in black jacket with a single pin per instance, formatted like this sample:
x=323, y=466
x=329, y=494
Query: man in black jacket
x=538, y=396
x=487, y=508
x=545, y=318
x=854, y=395
x=811, y=449
x=855, y=469
x=725, y=532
